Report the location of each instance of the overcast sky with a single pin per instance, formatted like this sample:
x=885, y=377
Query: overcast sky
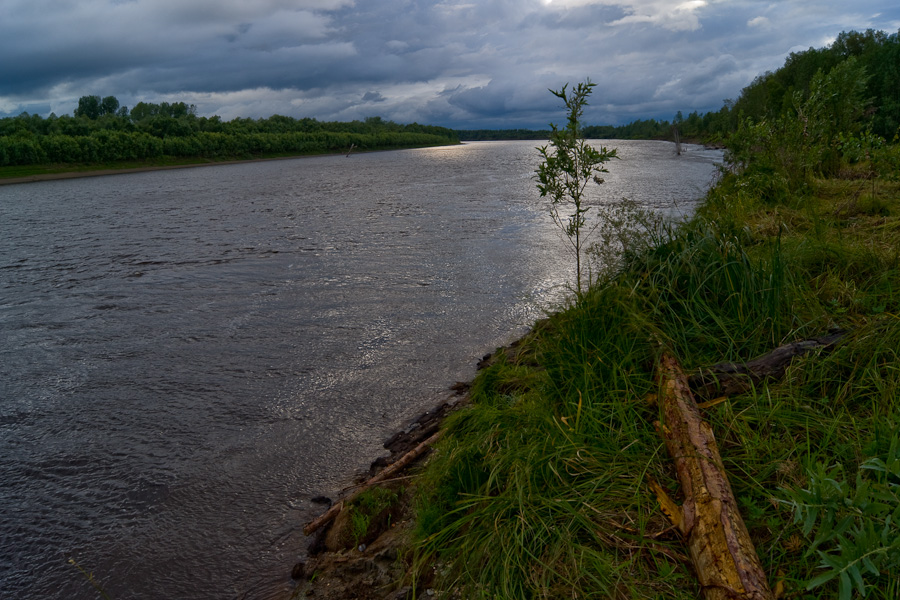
x=462, y=64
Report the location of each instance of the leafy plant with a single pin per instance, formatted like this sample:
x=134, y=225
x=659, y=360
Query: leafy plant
x=855, y=529
x=569, y=165
x=623, y=231
x=368, y=507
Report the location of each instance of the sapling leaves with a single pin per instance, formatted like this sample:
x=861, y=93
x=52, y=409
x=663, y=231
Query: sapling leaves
x=568, y=165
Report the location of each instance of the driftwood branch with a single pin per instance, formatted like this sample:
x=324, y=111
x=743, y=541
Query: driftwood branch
x=388, y=471
x=720, y=547
x=728, y=379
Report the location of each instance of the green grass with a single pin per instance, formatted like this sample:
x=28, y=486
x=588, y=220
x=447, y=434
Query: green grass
x=539, y=490
x=367, y=508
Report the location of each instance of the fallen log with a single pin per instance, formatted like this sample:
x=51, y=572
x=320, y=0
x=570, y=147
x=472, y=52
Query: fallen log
x=388, y=471
x=718, y=542
x=729, y=379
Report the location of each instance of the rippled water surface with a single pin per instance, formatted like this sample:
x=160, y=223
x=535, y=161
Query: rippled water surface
x=189, y=356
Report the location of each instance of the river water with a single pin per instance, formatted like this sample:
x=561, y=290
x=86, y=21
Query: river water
x=188, y=357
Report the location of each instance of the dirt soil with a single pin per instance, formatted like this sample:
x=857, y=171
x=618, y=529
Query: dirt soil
x=379, y=567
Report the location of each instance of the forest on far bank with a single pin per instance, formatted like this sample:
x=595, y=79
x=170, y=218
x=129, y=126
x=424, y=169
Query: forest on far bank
x=101, y=131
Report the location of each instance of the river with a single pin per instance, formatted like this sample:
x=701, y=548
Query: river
x=188, y=357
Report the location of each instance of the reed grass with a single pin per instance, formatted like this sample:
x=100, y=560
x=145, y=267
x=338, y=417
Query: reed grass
x=539, y=489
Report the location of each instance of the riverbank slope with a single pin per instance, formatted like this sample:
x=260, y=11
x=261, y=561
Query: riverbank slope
x=540, y=486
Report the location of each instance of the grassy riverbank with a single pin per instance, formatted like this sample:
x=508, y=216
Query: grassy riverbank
x=541, y=484
x=540, y=487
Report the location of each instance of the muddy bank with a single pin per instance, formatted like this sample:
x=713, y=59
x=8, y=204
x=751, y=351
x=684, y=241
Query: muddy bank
x=104, y=172
x=377, y=565
x=345, y=562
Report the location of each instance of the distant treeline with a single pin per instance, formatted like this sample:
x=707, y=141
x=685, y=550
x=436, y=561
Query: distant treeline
x=649, y=129
x=487, y=135
x=101, y=131
x=696, y=127
x=874, y=55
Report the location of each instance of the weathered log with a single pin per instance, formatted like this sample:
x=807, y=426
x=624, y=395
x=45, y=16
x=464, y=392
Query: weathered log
x=718, y=542
x=729, y=379
x=388, y=471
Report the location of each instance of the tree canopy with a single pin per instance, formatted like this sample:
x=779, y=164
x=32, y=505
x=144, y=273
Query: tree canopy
x=101, y=130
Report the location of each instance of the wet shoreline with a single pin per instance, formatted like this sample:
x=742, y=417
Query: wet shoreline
x=105, y=172
x=211, y=163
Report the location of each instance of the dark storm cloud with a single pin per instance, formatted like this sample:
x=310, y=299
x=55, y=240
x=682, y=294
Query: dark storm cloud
x=452, y=62
x=373, y=97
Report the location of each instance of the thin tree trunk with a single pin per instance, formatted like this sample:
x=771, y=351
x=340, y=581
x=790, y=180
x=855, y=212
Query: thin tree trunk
x=720, y=547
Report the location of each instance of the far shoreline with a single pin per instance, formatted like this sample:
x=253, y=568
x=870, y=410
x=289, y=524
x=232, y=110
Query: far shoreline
x=105, y=172
x=102, y=172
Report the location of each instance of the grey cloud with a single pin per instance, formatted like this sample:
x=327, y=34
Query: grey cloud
x=579, y=17
x=457, y=63
x=373, y=97
x=505, y=98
